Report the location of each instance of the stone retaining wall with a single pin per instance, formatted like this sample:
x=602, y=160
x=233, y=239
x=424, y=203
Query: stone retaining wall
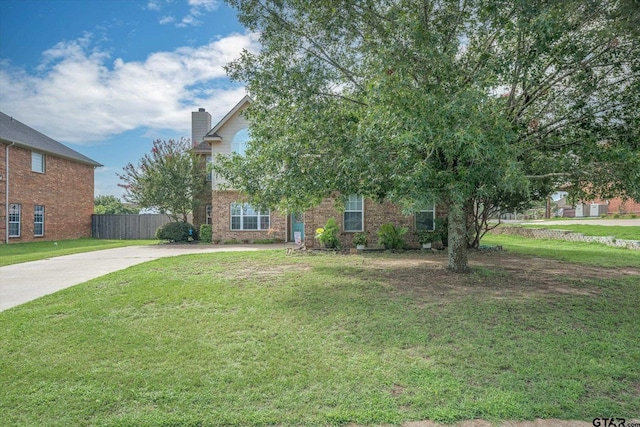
x=544, y=233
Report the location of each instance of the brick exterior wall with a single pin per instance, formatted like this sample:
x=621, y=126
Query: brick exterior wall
x=65, y=190
x=375, y=214
x=221, y=221
x=618, y=206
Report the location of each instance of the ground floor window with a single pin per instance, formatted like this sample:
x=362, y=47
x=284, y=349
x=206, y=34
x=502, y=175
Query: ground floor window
x=246, y=217
x=425, y=219
x=38, y=221
x=14, y=220
x=209, y=216
x=354, y=213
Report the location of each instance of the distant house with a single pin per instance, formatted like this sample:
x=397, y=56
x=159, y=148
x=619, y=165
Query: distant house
x=620, y=206
x=233, y=218
x=46, y=188
x=598, y=207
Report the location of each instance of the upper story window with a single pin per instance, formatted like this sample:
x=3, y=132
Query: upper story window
x=354, y=213
x=240, y=141
x=425, y=219
x=208, y=165
x=37, y=162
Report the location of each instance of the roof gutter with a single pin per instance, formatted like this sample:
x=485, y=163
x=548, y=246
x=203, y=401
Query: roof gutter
x=6, y=202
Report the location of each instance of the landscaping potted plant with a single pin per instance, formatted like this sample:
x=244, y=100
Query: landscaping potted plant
x=360, y=240
x=426, y=237
x=328, y=236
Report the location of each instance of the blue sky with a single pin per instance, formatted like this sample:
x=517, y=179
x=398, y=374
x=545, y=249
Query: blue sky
x=107, y=77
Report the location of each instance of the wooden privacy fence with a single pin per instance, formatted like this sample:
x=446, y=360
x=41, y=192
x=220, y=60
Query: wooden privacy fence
x=126, y=227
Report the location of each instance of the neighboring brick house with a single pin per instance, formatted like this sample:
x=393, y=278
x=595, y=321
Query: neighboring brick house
x=609, y=207
x=619, y=206
x=46, y=188
x=232, y=218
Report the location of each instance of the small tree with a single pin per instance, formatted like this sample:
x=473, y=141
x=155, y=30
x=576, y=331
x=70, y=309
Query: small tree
x=111, y=205
x=168, y=179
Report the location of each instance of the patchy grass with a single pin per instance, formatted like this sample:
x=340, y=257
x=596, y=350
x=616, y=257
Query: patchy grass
x=264, y=339
x=15, y=253
x=618, y=231
x=578, y=252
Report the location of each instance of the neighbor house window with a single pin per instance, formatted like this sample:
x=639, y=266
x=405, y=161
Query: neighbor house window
x=425, y=219
x=37, y=162
x=354, y=213
x=245, y=217
x=240, y=141
x=38, y=221
x=209, y=210
x=14, y=220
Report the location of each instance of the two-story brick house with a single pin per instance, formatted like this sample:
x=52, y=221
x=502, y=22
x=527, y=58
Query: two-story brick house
x=46, y=188
x=233, y=218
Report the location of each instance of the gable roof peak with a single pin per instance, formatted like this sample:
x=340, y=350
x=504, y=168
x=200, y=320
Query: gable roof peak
x=239, y=106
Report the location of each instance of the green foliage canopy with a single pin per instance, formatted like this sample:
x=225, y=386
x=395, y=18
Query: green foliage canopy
x=169, y=179
x=418, y=100
x=111, y=205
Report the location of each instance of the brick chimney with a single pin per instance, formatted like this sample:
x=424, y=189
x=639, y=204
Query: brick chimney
x=200, y=125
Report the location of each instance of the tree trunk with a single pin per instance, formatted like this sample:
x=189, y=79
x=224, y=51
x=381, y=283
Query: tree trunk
x=458, y=262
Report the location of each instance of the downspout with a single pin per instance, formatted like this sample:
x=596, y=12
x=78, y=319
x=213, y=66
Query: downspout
x=6, y=202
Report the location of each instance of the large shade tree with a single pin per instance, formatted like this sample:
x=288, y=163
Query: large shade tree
x=169, y=179
x=450, y=101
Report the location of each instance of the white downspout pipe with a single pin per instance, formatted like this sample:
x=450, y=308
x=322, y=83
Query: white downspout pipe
x=6, y=202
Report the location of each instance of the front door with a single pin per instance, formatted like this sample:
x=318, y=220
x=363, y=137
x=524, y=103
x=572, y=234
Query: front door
x=297, y=226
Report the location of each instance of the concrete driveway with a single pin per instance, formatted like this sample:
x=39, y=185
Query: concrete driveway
x=27, y=281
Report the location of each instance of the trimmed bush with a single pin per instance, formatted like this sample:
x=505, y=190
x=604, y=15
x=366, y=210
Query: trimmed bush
x=206, y=232
x=177, y=232
x=264, y=241
x=390, y=236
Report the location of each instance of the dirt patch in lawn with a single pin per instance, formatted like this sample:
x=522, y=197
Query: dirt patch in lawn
x=495, y=274
x=265, y=274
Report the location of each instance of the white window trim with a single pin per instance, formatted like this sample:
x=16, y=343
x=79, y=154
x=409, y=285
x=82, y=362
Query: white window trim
x=19, y=221
x=242, y=216
x=344, y=228
x=35, y=212
x=433, y=209
x=42, y=162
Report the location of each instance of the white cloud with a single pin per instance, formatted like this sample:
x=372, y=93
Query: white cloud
x=153, y=5
x=82, y=96
x=197, y=9
x=208, y=5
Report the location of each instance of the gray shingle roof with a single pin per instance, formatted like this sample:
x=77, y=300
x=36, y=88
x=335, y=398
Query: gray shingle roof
x=23, y=136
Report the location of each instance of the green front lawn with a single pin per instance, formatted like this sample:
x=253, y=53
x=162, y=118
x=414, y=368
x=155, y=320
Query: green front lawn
x=15, y=253
x=578, y=252
x=262, y=338
x=617, y=231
